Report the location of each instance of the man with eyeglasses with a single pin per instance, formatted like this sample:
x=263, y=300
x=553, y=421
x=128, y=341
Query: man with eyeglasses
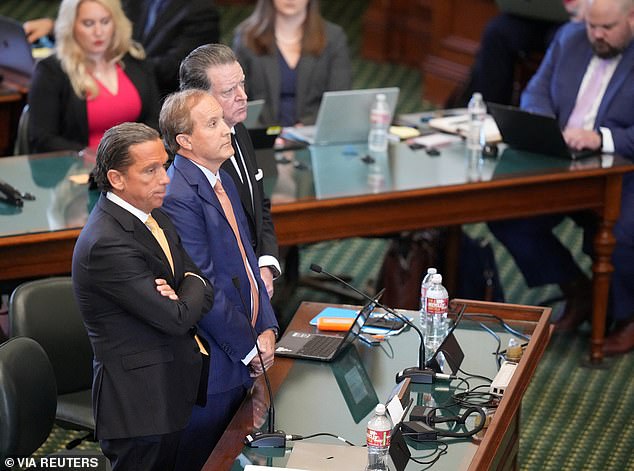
x=587, y=81
x=215, y=68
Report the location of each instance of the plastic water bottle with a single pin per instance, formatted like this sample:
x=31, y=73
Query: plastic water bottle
x=436, y=306
x=424, y=285
x=379, y=123
x=477, y=112
x=378, y=440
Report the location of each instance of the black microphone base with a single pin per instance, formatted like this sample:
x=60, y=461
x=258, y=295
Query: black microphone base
x=416, y=375
x=266, y=440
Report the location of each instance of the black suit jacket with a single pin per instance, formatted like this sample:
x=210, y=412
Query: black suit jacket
x=147, y=364
x=180, y=27
x=58, y=119
x=258, y=211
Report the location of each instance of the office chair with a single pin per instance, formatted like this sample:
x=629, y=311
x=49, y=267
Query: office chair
x=21, y=146
x=28, y=398
x=45, y=310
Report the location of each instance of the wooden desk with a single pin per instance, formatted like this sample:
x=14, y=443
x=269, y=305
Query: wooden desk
x=498, y=448
x=328, y=193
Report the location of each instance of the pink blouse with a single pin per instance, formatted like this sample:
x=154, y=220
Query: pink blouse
x=107, y=110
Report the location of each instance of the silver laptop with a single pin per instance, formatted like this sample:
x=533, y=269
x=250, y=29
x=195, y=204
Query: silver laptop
x=15, y=50
x=549, y=10
x=254, y=110
x=343, y=117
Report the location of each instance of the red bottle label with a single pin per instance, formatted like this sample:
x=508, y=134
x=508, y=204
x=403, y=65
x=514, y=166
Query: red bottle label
x=378, y=437
x=437, y=305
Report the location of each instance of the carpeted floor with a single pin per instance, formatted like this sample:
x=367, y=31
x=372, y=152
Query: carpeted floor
x=573, y=418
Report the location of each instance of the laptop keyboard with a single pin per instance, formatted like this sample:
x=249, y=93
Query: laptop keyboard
x=320, y=346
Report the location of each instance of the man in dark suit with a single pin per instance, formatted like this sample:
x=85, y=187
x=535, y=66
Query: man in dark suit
x=140, y=295
x=586, y=81
x=167, y=29
x=215, y=68
x=203, y=202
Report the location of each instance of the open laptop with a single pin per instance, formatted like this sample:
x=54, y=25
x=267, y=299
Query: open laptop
x=15, y=50
x=343, y=117
x=532, y=132
x=254, y=110
x=318, y=346
x=549, y=10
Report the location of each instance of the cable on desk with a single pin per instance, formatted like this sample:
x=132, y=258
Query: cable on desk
x=478, y=399
x=499, y=342
x=504, y=325
x=322, y=434
x=441, y=449
x=469, y=375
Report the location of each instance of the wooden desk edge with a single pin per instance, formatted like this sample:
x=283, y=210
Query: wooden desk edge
x=230, y=445
x=510, y=405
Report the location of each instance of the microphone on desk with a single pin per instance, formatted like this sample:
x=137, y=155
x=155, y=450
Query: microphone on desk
x=271, y=438
x=417, y=374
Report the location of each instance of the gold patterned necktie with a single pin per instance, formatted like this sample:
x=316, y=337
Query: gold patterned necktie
x=227, y=207
x=159, y=235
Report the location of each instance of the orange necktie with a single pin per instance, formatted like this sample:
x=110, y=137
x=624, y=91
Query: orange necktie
x=231, y=217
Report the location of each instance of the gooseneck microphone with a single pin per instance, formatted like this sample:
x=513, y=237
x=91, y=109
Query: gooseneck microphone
x=271, y=438
x=417, y=374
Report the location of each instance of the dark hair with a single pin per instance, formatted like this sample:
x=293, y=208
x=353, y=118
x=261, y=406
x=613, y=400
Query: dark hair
x=193, y=69
x=257, y=32
x=176, y=118
x=113, y=152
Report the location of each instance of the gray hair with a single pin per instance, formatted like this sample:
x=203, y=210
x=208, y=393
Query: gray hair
x=193, y=69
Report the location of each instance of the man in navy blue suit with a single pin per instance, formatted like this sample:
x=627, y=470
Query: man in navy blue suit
x=204, y=204
x=587, y=81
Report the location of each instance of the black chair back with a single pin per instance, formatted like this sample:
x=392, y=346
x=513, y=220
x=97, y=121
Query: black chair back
x=46, y=311
x=28, y=397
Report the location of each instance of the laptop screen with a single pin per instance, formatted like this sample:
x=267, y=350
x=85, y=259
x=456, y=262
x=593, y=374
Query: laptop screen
x=15, y=50
x=359, y=322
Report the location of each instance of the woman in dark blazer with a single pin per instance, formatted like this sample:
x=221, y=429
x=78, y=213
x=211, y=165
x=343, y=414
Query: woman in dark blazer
x=291, y=56
x=96, y=79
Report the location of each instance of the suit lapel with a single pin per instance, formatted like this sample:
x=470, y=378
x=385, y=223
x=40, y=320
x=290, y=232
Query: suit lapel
x=272, y=71
x=622, y=72
x=243, y=188
x=254, y=213
x=577, y=69
x=170, y=13
x=305, y=68
x=197, y=179
x=172, y=240
x=140, y=232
